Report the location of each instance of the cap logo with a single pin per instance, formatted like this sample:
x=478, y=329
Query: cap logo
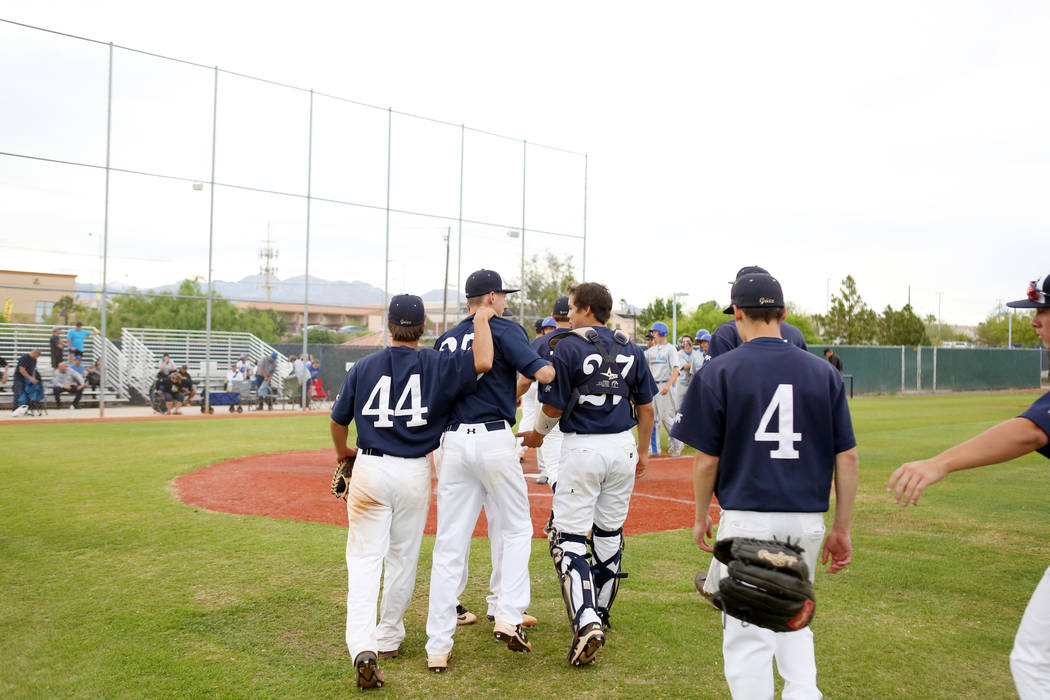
x=766, y=300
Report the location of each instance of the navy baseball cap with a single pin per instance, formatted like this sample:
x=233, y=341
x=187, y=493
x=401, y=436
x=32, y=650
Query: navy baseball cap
x=507, y=313
x=748, y=270
x=661, y=328
x=561, y=307
x=484, y=281
x=755, y=290
x=406, y=310
x=1038, y=296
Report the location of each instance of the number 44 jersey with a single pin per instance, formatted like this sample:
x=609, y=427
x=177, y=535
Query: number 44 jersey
x=401, y=398
x=775, y=416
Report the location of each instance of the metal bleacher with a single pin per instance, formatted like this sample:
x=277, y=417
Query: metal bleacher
x=16, y=339
x=143, y=348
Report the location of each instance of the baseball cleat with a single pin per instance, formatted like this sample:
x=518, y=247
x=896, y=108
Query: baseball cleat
x=586, y=643
x=368, y=673
x=513, y=635
x=392, y=654
x=464, y=616
x=438, y=662
x=527, y=620
x=542, y=479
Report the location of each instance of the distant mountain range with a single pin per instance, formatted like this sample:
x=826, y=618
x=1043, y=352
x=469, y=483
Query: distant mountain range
x=322, y=292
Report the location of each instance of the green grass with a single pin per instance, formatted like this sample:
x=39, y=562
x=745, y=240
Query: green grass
x=111, y=588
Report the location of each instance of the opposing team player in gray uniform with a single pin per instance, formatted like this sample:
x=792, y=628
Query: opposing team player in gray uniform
x=1029, y=432
x=663, y=363
x=599, y=374
x=400, y=399
x=771, y=427
x=479, y=463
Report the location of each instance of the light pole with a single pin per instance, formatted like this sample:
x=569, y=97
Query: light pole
x=515, y=233
x=444, y=295
x=98, y=286
x=674, y=314
x=939, y=294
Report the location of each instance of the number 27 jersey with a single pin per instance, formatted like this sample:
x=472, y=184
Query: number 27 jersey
x=400, y=398
x=775, y=416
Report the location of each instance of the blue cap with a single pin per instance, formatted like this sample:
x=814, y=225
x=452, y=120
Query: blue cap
x=549, y=323
x=273, y=356
x=406, y=310
x=702, y=335
x=482, y=282
x=661, y=328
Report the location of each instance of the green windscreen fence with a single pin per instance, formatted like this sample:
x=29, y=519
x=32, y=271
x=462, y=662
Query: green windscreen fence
x=877, y=370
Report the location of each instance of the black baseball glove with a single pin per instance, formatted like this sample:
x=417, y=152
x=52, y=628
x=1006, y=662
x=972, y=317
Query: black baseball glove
x=768, y=583
x=341, y=478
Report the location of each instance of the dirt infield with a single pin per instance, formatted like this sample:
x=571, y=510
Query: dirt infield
x=295, y=485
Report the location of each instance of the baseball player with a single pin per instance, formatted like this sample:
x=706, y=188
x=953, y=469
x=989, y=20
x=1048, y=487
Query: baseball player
x=689, y=359
x=663, y=363
x=771, y=428
x=599, y=374
x=479, y=462
x=529, y=403
x=726, y=337
x=400, y=399
x=1029, y=432
x=703, y=342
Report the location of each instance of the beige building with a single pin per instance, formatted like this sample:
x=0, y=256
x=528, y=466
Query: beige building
x=333, y=317
x=27, y=297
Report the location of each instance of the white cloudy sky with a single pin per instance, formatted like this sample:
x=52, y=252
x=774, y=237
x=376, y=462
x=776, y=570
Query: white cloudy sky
x=905, y=143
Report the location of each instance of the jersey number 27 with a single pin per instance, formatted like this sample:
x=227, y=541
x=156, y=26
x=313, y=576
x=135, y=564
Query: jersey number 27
x=783, y=403
x=378, y=403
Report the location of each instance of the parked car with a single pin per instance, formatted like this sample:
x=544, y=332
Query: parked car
x=349, y=330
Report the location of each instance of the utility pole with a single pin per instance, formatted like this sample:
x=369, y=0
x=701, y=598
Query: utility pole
x=268, y=254
x=939, y=294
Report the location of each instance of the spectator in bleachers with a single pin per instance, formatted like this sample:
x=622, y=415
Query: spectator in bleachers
x=66, y=381
x=174, y=396
x=58, y=343
x=265, y=369
x=77, y=365
x=3, y=371
x=187, y=384
x=233, y=374
x=244, y=366
x=25, y=374
x=316, y=385
x=76, y=336
x=94, y=374
x=165, y=366
x=301, y=374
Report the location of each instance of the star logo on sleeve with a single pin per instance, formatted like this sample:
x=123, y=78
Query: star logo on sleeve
x=678, y=417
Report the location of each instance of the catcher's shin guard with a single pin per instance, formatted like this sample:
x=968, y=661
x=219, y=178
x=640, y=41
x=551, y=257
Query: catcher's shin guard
x=607, y=546
x=574, y=572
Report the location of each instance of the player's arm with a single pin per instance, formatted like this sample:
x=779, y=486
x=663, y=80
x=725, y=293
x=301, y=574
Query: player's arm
x=482, y=344
x=705, y=473
x=545, y=374
x=522, y=386
x=671, y=381
x=547, y=417
x=646, y=418
x=1008, y=440
x=340, y=434
x=838, y=545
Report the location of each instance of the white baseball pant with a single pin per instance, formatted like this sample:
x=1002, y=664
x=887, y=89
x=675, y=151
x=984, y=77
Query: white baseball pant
x=550, y=454
x=477, y=464
x=386, y=507
x=1030, y=658
x=665, y=412
x=530, y=406
x=748, y=650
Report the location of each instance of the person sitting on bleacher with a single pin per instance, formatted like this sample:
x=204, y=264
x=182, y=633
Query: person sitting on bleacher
x=245, y=368
x=233, y=375
x=25, y=376
x=263, y=375
x=174, y=396
x=76, y=364
x=165, y=366
x=187, y=384
x=67, y=381
x=94, y=374
x=3, y=371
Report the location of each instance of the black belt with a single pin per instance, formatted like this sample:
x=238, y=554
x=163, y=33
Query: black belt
x=492, y=426
x=370, y=452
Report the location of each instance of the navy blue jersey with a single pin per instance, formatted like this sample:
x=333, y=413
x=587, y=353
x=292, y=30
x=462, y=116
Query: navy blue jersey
x=1039, y=413
x=541, y=343
x=401, y=398
x=726, y=337
x=775, y=416
x=496, y=393
x=574, y=360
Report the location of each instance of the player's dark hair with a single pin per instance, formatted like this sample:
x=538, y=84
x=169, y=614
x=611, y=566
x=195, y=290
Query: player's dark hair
x=405, y=334
x=765, y=314
x=594, y=295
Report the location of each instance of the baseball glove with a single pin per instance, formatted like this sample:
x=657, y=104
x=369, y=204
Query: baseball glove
x=768, y=583
x=341, y=478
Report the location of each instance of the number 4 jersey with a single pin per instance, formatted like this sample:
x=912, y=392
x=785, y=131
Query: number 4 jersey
x=775, y=416
x=401, y=398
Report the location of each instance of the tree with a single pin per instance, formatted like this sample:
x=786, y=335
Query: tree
x=659, y=310
x=805, y=323
x=901, y=327
x=946, y=332
x=849, y=320
x=545, y=281
x=66, y=311
x=135, y=310
x=322, y=336
x=995, y=330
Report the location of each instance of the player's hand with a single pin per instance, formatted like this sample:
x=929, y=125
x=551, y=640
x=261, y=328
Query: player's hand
x=663, y=392
x=344, y=451
x=643, y=462
x=484, y=313
x=702, y=533
x=839, y=547
x=530, y=438
x=912, y=478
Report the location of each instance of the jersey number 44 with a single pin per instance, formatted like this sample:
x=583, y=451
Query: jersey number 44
x=378, y=403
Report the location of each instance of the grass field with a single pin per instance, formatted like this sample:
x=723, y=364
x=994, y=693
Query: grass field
x=111, y=588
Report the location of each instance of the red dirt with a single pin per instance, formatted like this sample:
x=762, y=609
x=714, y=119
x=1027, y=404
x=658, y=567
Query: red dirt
x=296, y=485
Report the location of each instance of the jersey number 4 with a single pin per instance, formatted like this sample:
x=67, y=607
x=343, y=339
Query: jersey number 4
x=378, y=403
x=783, y=403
